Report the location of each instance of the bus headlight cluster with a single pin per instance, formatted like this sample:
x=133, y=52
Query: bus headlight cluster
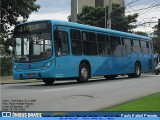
x=47, y=65
x=15, y=67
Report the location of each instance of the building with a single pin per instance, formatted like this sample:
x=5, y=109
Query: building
x=95, y=3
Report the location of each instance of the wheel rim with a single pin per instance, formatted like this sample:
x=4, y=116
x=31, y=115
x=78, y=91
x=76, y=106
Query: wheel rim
x=137, y=70
x=84, y=73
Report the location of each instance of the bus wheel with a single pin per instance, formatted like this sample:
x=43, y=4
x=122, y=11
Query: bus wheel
x=48, y=81
x=156, y=72
x=83, y=73
x=137, y=71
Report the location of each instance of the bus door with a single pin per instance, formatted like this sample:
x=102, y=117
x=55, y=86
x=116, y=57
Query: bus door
x=61, y=48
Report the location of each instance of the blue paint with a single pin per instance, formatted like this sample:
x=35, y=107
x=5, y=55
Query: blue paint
x=68, y=66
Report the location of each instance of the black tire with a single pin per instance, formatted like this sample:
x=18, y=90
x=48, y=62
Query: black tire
x=110, y=77
x=83, y=73
x=137, y=71
x=156, y=72
x=48, y=81
x=131, y=75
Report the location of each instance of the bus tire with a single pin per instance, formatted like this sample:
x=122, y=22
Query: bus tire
x=83, y=73
x=156, y=72
x=48, y=81
x=137, y=71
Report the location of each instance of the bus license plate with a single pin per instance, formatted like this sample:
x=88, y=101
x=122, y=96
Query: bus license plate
x=31, y=75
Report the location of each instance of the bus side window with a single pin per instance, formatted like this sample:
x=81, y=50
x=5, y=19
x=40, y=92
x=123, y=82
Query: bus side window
x=144, y=47
x=89, y=43
x=150, y=47
x=76, y=43
x=116, y=46
x=128, y=45
x=136, y=46
x=124, y=50
x=61, y=43
x=103, y=44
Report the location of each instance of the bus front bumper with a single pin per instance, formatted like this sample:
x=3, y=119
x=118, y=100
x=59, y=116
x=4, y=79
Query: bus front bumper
x=20, y=75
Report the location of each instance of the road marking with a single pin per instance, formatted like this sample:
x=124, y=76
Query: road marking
x=57, y=89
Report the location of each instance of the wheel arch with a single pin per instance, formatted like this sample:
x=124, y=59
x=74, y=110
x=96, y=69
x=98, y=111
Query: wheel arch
x=138, y=63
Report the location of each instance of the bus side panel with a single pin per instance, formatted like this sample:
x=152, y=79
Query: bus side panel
x=67, y=67
x=117, y=66
x=145, y=63
x=104, y=66
x=129, y=63
x=94, y=63
x=144, y=59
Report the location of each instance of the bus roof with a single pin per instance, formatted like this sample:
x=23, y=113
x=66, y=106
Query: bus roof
x=93, y=28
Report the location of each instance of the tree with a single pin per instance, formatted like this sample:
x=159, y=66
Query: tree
x=156, y=39
x=11, y=10
x=141, y=33
x=95, y=16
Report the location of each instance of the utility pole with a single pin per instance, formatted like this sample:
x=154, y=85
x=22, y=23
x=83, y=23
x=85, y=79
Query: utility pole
x=74, y=11
x=109, y=14
x=105, y=14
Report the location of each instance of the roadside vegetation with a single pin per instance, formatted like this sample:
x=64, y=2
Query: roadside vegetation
x=148, y=103
x=11, y=10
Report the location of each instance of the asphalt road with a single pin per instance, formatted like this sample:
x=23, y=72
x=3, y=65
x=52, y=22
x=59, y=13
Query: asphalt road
x=71, y=96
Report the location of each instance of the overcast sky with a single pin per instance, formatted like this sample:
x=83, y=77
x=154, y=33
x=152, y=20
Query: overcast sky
x=149, y=11
x=52, y=9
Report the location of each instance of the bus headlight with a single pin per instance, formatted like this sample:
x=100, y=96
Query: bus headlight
x=47, y=65
x=15, y=67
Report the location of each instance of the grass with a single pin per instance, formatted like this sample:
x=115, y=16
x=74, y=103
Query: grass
x=96, y=77
x=148, y=103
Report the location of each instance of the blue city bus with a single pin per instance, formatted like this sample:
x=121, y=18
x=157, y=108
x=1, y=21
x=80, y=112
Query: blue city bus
x=52, y=50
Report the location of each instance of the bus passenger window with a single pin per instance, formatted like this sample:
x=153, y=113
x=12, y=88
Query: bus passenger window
x=127, y=46
x=116, y=45
x=103, y=44
x=61, y=42
x=136, y=46
x=150, y=47
x=89, y=43
x=76, y=42
x=144, y=47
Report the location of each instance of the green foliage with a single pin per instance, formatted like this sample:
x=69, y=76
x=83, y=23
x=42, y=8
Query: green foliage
x=156, y=39
x=141, y=33
x=11, y=10
x=156, y=43
x=95, y=16
x=6, y=66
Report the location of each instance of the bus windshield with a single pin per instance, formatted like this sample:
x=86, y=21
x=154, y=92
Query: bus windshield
x=32, y=42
